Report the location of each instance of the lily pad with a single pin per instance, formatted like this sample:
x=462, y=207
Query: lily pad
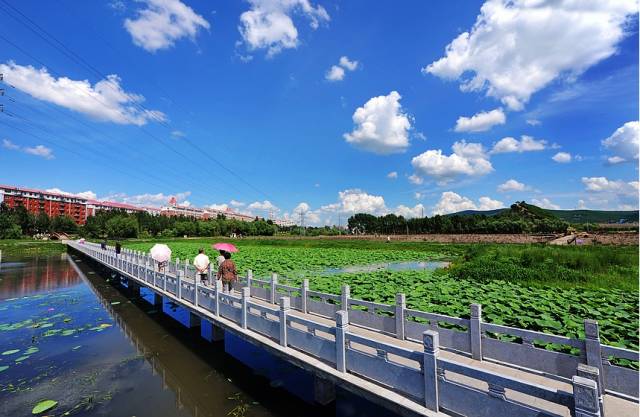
x=3, y=368
x=115, y=303
x=22, y=358
x=31, y=350
x=68, y=332
x=10, y=352
x=43, y=406
x=76, y=347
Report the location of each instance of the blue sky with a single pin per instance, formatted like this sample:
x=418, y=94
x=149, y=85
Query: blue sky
x=436, y=106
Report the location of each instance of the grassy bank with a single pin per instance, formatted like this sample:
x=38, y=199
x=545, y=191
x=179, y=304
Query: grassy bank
x=29, y=247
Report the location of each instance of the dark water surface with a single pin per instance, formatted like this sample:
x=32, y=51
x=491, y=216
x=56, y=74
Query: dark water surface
x=66, y=334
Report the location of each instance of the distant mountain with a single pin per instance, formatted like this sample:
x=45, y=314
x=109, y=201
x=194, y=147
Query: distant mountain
x=522, y=209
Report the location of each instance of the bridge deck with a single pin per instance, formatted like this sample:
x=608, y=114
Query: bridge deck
x=499, y=389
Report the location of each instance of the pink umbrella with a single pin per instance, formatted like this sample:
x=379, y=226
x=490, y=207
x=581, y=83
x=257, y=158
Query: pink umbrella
x=227, y=247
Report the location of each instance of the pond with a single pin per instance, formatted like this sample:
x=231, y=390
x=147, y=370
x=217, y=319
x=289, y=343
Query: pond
x=69, y=336
x=390, y=266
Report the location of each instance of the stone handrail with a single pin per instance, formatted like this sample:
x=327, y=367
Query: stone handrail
x=339, y=351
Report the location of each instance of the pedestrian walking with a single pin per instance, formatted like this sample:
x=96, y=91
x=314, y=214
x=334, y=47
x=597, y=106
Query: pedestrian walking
x=201, y=262
x=220, y=258
x=227, y=273
x=118, y=248
x=103, y=245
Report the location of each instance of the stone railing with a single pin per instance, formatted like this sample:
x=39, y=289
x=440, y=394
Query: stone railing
x=422, y=376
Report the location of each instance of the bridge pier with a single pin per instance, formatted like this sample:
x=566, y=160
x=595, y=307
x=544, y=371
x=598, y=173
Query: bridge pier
x=210, y=331
x=324, y=391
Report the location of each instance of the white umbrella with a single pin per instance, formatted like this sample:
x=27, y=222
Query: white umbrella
x=160, y=252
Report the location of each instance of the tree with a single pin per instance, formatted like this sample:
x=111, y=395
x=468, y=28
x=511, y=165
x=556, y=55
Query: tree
x=122, y=227
x=63, y=224
x=42, y=222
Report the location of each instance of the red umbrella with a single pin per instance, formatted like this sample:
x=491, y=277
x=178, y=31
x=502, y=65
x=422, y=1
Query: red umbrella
x=227, y=247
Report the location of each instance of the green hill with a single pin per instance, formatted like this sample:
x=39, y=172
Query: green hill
x=521, y=209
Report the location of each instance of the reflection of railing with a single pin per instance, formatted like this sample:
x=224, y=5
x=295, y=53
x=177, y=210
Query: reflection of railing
x=422, y=376
x=169, y=379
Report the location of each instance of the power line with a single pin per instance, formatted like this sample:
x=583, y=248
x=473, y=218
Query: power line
x=77, y=58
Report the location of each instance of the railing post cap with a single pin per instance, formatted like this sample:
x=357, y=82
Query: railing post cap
x=584, y=369
x=476, y=310
x=181, y=274
x=345, y=288
x=305, y=283
x=401, y=298
x=591, y=329
x=218, y=284
x=285, y=303
x=430, y=341
x=342, y=318
x=274, y=276
x=245, y=291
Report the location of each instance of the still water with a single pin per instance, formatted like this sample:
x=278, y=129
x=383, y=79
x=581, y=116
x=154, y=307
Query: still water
x=68, y=335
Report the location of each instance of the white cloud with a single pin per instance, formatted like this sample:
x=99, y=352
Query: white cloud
x=512, y=185
x=358, y=201
x=518, y=47
x=90, y=195
x=346, y=64
x=104, y=101
x=263, y=205
x=38, y=150
x=418, y=195
x=268, y=24
x=218, y=207
x=392, y=175
x=336, y=73
x=533, y=122
x=409, y=212
x=311, y=217
x=526, y=144
x=581, y=205
x=603, y=184
x=381, y=126
x=7, y=144
x=467, y=159
x=624, y=143
x=178, y=134
x=480, y=122
x=416, y=179
x=545, y=203
x=162, y=23
x=148, y=199
x=451, y=202
x=562, y=157
x=235, y=203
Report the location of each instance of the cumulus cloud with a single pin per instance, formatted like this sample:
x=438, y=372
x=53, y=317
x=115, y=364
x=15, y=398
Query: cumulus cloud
x=392, y=175
x=148, y=199
x=263, y=205
x=624, y=143
x=381, y=126
x=337, y=72
x=533, y=122
x=409, y=212
x=451, y=202
x=90, y=195
x=512, y=185
x=468, y=159
x=235, y=203
x=178, y=134
x=545, y=203
x=311, y=217
x=218, y=207
x=38, y=150
x=525, y=144
x=268, y=23
x=517, y=47
x=162, y=22
x=416, y=179
x=480, y=122
x=103, y=101
x=603, y=184
x=562, y=157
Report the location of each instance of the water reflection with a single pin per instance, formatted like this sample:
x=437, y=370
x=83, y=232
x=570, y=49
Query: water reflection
x=38, y=275
x=99, y=351
x=390, y=266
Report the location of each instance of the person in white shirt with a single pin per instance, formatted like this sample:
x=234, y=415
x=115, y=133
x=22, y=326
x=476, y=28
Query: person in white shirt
x=220, y=258
x=201, y=262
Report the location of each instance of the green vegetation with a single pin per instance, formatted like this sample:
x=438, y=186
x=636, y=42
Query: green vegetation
x=27, y=247
x=520, y=218
x=549, y=289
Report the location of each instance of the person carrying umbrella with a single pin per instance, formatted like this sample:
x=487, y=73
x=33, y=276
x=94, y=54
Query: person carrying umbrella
x=160, y=253
x=227, y=272
x=201, y=262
